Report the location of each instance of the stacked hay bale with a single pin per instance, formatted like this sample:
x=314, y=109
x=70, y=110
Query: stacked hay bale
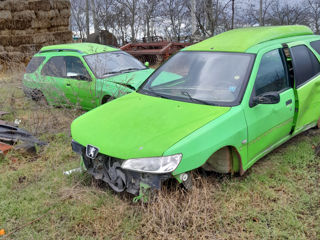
x=27, y=25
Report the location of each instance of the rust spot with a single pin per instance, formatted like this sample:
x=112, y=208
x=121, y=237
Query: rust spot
x=5, y=148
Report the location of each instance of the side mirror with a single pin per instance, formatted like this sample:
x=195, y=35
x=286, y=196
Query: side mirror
x=266, y=98
x=147, y=64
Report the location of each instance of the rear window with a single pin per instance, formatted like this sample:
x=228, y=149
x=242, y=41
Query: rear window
x=34, y=64
x=305, y=64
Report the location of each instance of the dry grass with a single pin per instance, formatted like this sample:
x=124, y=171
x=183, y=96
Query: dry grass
x=279, y=198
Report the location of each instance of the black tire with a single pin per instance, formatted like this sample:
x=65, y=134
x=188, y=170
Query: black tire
x=107, y=99
x=39, y=97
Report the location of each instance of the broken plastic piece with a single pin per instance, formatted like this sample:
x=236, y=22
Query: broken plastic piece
x=5, y=148
x=72, y=171
x=2, y=232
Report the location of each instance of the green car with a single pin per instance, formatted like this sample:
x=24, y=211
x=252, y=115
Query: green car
x=82, y=74
x=221, y=105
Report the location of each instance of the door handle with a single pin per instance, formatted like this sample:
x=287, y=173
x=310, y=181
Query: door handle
x=288, y=102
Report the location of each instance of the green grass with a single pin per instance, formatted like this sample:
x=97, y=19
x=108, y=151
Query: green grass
x=278, y=198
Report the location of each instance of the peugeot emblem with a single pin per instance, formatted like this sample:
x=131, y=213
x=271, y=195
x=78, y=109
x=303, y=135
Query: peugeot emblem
x=92, y=151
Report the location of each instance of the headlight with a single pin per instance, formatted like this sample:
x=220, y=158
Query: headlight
x=156, y=165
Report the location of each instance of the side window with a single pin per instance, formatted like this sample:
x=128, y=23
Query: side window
x=305, y=64
x=34, y=64
x=75, y=68
x=65, y=67
x=316, y=46
x=55, y=67
x=271, y=75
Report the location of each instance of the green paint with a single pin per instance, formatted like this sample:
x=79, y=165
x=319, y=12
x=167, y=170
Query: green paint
x=86, y=94
x=145, y=126
x=241, y=39
x=127, y=122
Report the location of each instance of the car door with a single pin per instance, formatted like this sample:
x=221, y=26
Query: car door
x=54, y=83
x=307, y=85
x=80, y=87
x=269, y=123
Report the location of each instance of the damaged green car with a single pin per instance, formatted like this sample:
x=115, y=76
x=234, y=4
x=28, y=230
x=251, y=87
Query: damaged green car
x=221, y=105
x=85, y=75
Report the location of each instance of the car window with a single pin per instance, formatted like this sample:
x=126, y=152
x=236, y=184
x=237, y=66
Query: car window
x=34, y=64
x=316, y=45
x=305, y=64
x=216, y=78
x=271, y=75
x=65, y=67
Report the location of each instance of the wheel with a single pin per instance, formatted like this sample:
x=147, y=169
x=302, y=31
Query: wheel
x=107, y=99
x=38, y=96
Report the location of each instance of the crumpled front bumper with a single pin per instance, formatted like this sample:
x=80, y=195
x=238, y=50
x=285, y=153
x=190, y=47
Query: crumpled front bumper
x=108, y=169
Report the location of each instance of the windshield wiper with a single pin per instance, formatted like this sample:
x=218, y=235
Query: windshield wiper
x=130, y=69
x=108, y=73
x=185, y=93
x=155, y=94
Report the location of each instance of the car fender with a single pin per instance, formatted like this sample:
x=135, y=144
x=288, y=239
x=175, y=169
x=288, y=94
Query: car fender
x=229, y=130
x=106, y=88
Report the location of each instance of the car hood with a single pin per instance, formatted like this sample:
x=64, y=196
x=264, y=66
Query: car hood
x=138, y=125
x=132, y=79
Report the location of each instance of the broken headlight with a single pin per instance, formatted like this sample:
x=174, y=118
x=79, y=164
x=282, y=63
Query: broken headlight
x=155, y=165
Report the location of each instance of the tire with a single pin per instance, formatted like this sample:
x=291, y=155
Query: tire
x=38, y=97
x=107, y=99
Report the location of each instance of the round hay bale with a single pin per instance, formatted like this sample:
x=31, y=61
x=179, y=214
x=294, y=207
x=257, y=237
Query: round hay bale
x=26, y=15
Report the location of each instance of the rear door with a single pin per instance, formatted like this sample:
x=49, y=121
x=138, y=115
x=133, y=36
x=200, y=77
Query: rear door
x=307, y=84
x=269, y=123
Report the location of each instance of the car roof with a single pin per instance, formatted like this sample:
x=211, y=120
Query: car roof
x=81, y=48
x=242, y=39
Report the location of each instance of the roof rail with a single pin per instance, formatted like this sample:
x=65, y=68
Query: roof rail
x=61, y=50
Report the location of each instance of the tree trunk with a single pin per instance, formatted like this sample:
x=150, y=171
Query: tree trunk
x=94, y=16
x=87, y=19
x=232, y=18
x=193, y=17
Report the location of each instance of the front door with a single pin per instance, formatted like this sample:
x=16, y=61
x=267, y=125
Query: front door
x=269, y=123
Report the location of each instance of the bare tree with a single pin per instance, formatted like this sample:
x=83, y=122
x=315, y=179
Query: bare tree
x=314, y=14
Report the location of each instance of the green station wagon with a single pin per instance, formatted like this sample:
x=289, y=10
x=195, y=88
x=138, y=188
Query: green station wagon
x=82, y=74
x=221, y=105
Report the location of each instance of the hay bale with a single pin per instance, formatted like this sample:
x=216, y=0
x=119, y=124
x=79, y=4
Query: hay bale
x=16, y=25
x=59, y=29
x=5, y=40
x=22, y=32
x=63, y=37
x=61, y=4
x=44, y=23
x=20, y=40
x=5, y=32
x=16, y=56
x=5, y=15
x=43, y=38
x=30, y=48
x=8, y=49
x=26, y=15
x=1, y=48
x=38, y=5
x=18, y=5
x=65, y=13
x=47, y=14
x=5, y=5
x=56, y=22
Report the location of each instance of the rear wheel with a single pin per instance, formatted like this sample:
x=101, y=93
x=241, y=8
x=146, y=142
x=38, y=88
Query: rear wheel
x=38, y=96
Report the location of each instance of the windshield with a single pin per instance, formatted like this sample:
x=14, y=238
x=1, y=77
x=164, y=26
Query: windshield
x=214, y=78
x=108, y=63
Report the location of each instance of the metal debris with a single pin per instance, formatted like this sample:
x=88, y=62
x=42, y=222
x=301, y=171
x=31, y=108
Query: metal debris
x=11, y=135
x=72, y=171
